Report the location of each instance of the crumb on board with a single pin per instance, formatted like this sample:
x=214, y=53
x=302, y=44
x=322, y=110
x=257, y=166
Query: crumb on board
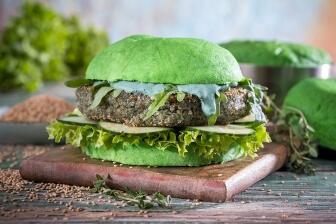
x=41, y=108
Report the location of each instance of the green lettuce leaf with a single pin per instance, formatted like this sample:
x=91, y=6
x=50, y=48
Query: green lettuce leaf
x=204, y=144
x=234, y=153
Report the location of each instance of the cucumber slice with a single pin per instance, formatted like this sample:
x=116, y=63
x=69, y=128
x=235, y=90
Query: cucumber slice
x=76, y=120
x=227, y=129
x=246, y=119
x=121, y=128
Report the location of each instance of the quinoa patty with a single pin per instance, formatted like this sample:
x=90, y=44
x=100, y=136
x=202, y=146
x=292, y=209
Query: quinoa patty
x=131, y=108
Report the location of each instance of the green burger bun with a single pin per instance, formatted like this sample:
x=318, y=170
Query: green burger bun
x=145, y=155
x=277, y=53
x=316, y=98
x=165, y=60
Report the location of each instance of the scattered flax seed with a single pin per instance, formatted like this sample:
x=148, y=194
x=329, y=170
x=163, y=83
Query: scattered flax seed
x=12, y=183
x=41, y=108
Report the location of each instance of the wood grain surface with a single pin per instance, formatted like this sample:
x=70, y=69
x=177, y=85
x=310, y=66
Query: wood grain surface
x=215, y=183
x=282, y=197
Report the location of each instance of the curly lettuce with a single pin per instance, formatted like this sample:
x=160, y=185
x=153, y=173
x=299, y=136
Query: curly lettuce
x=205, y=144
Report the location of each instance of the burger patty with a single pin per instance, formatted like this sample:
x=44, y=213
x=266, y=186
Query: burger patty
x=130, y=109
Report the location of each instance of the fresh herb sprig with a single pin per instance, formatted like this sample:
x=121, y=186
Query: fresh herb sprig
x=293, y=130
x=135, y=198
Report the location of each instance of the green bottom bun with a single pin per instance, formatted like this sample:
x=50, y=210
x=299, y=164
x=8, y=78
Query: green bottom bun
x=316, y=98
x=151, y=156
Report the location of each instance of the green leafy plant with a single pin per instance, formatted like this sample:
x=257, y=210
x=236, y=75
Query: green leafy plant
x=135, y=198
x=32, y=48
x=293, y=130
x=83, y=43
x=41, y=45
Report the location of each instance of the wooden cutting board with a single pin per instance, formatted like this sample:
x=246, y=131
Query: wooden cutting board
x=216, y=183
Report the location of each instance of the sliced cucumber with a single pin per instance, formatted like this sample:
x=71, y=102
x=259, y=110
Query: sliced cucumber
x=227, y=129
x=246, y=119
x=76, y=120
x=121, y=128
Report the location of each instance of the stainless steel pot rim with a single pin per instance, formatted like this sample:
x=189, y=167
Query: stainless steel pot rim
x=324, y=71
x=322, y=66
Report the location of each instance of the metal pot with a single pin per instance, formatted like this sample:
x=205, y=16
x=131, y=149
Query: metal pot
x=280, y=79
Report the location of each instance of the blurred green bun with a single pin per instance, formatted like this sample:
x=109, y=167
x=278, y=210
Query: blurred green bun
x=151, y=59
x=146, y=155
x=276, y=53
x=316, y=98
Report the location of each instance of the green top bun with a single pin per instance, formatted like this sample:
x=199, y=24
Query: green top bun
x=276, y=53
x=165, y=60
x=316, y=98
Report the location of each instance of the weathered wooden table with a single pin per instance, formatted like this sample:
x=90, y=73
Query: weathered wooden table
x=281, y=197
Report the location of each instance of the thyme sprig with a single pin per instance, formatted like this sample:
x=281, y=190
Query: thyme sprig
x=135, y=198
x=293, y=129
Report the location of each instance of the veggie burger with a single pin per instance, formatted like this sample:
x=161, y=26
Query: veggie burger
x=164, y=102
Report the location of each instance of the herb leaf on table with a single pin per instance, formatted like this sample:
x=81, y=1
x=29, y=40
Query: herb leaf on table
x=293, y=130
x=135, y=198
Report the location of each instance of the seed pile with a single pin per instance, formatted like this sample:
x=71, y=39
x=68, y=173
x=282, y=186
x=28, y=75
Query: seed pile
x=41, y=108
x=11, y=182
x=20, y=191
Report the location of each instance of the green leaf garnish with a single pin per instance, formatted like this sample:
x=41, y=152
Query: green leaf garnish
x=159, y=100
x=103, y=91
x=219, y=99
